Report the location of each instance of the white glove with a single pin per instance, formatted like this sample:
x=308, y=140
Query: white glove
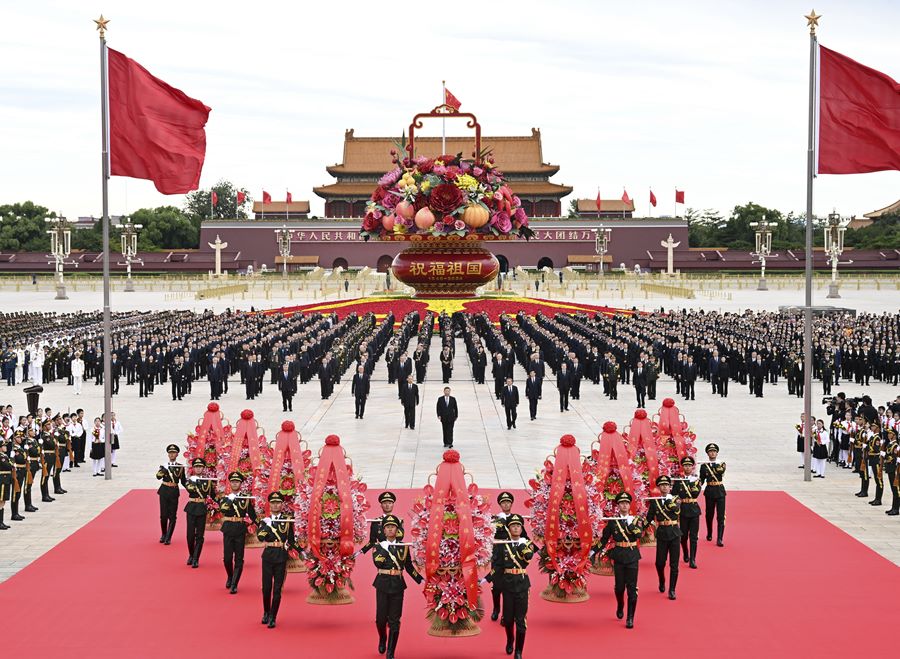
x=267, y=520
x=193, y=479
x=883, y=454
x=384, y=544
x=482, y=581
x=231, y=497
x=521, y=541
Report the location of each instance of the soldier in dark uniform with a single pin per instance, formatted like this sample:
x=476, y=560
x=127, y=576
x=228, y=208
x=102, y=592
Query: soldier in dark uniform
x=509, y=565
x=860, y=444
x=666, y=511
x=712, y=473
x=277, y=534
x=625, y=555
x=20, y=476
x=236, y=511
x=6, y=485
x=49, y=464
x=391, y=560
x=891, y=450
x=376, y=533
x=198, y=489
x=505, y=500
x=687, y=489
x=170, y=475
x=874, y=452
x=33, y=455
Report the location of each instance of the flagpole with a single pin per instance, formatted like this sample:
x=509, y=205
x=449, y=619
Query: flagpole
x=443, y=119
x=107, y=321
x=812, y=22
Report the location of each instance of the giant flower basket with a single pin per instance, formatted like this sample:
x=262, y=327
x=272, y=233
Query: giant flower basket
x=566, y=509
x=452, y=536
x=446, y=205
x=247, y=453
x=331, y=519
x=615, y=472
x=210, y=435
x=674, y=438
x=641, y=442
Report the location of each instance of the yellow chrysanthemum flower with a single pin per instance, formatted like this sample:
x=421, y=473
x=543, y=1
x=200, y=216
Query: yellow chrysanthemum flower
x=466, y=182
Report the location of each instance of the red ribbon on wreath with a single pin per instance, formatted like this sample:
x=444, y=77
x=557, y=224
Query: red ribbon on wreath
x=331, y=459
x=567, y=467
x=612, y=446
x=212, y=422
x=450, y=487
x=641, y=434
x=671, y=425
x=246, y=430
x=287, y=445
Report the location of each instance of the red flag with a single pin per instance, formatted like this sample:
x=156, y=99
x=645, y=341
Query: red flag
x=240, y=198
x=267, y=198
x=599, y=201
x=679, y=196
x=214, y=198
x=625, y=198
x=652, y=199
x=156, y=132
x=859, y=117
x=288, y=198
x=451, y=100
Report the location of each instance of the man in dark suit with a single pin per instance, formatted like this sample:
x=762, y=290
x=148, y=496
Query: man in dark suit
x=688, y=378
x=409, y=396
x=577, y=372
x=510, y=400
x=714, y=365
x=249, y=377
x=479, y=364
x=360, y=390
x=288, y=386
x=404, y=369
x=447, y=412
x=533, y=386
x=640, y=384
x=214, y=375
x=652, y=377
x=724, y=376
x=498, y=371
x=563, y=383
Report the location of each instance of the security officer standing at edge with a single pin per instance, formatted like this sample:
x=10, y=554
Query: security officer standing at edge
x=687, y=489
x=713, y=473
x=625, y=555
x=390, y=560
x=509, y=565
x=171, y=474
x=666, y=512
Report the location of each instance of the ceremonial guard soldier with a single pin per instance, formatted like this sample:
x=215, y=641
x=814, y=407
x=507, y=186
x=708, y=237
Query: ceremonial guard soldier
x=376, y=533
x=860, y=466
x=20, y=478
x=199, y=489
x=687, y=489
x=170, y=475
x=625, y=531
x=236, y=511
x=49, y=464
x=891, y=451
x=509, y=564
x=277, y=535
x=391, y=559
x=505, y=500
x=6, y=485
x=712, y=473
x=666, y=511
x=874, y=452
x=35, y=461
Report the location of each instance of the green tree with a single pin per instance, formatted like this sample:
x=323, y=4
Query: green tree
x=165, y=227
x=573, y=209
x=883, y=233
x=197, y=203
x=22, y=227
x=703, y=227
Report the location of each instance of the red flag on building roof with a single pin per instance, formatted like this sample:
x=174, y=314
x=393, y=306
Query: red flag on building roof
x=652, y=199
x=288, y=199
x=625, y=198
x=240, y=197
x=156, y=132
x=859, y=117
x=214, y=198
x=599, y=201
x=267, y=198
x=679, y=196
x=451, y=100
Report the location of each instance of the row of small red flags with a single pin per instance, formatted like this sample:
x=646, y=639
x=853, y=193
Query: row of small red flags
x=679, y=198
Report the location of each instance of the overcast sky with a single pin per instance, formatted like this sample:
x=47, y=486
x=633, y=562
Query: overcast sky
x=707, y=96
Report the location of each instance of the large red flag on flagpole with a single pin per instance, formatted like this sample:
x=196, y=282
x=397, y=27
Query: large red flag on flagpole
x=652, y=199
x=267, y=198
x=288, y=199
x=451, y=100
x=215, y=198
x=599, y=201
x=156, y=132
x=679, y=196
x=625, y=198
x=859, y=117
x=240, y=197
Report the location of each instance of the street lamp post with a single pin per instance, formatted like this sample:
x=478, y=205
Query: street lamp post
x=129, y=248
x=834, y=247
x=60, y=247
x=283, y=238
x=763, y=248
x=601, y=243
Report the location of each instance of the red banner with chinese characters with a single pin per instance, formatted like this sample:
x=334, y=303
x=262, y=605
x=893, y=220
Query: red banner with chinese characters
x=331, y=461
x=640, y=434
x=612, y=447
x=246, y=432
x=672, y=424
x=450, y=487
x=287, y=446
x=568, y=468
x=212, y=423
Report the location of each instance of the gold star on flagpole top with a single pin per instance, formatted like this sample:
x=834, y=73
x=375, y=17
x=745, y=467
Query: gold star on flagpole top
x=812, y=20
x=101, y=25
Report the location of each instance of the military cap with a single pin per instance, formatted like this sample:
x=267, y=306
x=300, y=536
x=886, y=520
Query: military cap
x=515, y=518
x=688, y=460
x=275, y=497
x=663, y=480
x=387, y=496
x=236, y=476
x=505, y=496
x=172, y=447
x=712, y=447
x=198, y=462
x=390, y=520
x=623, y=496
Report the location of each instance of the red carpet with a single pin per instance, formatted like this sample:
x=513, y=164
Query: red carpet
x=784, y=585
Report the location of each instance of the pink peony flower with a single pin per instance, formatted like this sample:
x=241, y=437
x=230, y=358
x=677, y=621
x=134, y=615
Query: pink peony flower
x=390, y=178
x=459, y=225
x=501, y=222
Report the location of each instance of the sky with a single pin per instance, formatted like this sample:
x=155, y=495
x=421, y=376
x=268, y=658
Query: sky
x=709, y=97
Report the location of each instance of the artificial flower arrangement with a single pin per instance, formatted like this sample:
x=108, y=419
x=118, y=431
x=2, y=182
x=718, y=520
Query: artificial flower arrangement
x=675, y=439
x=444, y=196
x=451, y=585
x=206, y=442
x=252, y=461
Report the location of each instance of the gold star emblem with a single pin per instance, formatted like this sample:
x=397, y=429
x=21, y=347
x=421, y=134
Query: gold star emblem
x=101, y=25
x=812, y=20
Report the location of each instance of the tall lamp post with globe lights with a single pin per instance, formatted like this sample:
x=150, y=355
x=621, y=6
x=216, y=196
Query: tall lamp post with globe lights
x=602, y=237
x=60, y=247
x=834, y=247
x=763, y=248
x=129, y=248
x=283, y=238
